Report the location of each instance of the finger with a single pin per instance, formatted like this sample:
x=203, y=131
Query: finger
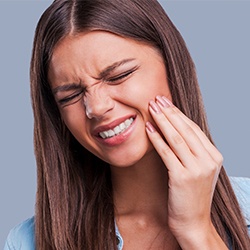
x=169, y=158
x=184, y=129
x=173, y=137
x=212, y=150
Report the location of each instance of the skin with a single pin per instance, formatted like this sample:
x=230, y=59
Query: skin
x=104, y=100
x=162, y=192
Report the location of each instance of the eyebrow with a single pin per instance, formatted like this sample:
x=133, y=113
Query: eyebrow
x=112, y=67
x=104, y=73
x=66, y=87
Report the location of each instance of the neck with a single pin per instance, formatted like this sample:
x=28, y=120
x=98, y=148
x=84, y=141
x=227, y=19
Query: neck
x=141, y=189
x=141, y=203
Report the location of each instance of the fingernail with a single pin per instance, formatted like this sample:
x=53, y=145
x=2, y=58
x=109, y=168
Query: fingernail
x=163, y=103
x=150, y=127
x=155, y=107
x=167, y=100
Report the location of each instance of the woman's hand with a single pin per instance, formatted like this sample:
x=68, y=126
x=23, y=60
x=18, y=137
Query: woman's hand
x=193, y=165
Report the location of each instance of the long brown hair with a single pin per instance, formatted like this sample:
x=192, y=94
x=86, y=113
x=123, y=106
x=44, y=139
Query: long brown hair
x=74, y=207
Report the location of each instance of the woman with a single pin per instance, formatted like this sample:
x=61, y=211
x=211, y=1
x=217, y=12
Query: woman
x=124, y=155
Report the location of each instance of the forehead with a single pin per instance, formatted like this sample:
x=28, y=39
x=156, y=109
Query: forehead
x=90, y=52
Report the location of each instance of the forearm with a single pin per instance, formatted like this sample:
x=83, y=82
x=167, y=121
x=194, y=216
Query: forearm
x=207, y=239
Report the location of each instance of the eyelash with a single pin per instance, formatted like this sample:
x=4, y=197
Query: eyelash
x=122, y=76
x=68, y=99
x=110, y=80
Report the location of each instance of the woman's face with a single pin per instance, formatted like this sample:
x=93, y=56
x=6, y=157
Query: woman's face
x=102, y=84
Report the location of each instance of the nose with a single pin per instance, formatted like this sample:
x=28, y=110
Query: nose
x=97, y=103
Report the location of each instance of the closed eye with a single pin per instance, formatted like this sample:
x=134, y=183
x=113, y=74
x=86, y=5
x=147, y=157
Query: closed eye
x=119, y=78
x=68, y=100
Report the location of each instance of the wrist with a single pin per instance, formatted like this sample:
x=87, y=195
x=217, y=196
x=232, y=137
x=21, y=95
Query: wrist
x=201, y=237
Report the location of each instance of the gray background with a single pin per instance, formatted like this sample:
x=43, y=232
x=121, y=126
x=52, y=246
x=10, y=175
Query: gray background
x=218, y=36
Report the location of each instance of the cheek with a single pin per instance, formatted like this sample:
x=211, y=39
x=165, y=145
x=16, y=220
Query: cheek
x=75, y=119
x=76, y=122
x=142, y=88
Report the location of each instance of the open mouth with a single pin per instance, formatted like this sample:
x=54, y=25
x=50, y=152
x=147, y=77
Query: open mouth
x=120, y=128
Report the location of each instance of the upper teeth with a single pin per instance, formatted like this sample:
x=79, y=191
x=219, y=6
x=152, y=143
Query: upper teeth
x=117, y=130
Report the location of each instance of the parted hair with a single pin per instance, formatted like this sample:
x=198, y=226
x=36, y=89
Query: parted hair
x=74, y=201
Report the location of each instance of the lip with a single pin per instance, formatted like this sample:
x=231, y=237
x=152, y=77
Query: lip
x=111, y=125
x=118, y=139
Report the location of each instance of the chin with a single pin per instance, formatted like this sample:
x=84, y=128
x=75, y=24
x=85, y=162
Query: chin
x=123, y=162
x=128, y=159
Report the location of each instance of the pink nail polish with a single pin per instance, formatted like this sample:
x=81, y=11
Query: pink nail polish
x=155, y=107
x=167, y=101
x=150, y=127
x=163, y=103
